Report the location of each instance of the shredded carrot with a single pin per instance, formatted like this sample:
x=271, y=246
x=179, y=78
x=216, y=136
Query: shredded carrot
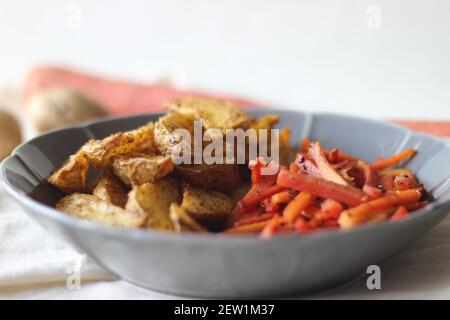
x=395, y=159
x=296, y=206
x=304, y=145
x=293, y=168
x=281, y=197
x=254, y=219
x=271, y=227
x=248, y=228
x=400, y=213
x=354, y=216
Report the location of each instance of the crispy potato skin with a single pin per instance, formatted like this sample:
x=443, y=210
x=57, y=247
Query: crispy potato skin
x=217, y=114
x=152, y=201
x=165, y=127
x=218, y=177
x=100, y=152
x=90, y=207
x=111, y=189
x=206, y=206
x=140, y=169
x=183, y=221
x=72, y=176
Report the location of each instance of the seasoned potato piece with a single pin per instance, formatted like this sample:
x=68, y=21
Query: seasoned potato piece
x=182, y=221
x=72, y=176
x=111, y=189
x=265, y=122
x=213, y=113
x=220, y=177
x=152, y=200
x=206, y=206
x=137, y=170
x=165, y=127
x=90, y=207
x=100, y=152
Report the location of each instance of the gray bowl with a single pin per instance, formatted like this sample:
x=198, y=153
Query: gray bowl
x=242, y=266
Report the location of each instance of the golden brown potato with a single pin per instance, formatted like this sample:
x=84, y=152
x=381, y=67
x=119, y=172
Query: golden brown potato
x=165, y=127
x=213, y=113
x=219, y=177
x=100, y=152
x=182, y=221
x=206, y=206
x=153, y=200
x=139, y=169
x=111, y=189
x=72, y=176
x=10, y=134
x=89, y=207
x=265, y=122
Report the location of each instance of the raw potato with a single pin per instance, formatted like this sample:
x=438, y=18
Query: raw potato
x=206, y=206
x=72, y=176
x=165, y=127
x=100, y=152
x=10, y=135
x=61, y=107
x=213, y=113
x=90, y=207
x=111, y=189
x=137, y=170
x=152, y=201
x=182, y=221
x=219, y=177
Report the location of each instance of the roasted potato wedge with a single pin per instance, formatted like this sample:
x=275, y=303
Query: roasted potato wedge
x=165, y=128
x=72, y=176
x=111, y=189
x=100, y=152
x=215, y=114
x=152, y=200
x=206, y=206
x=265, y=122
x=139, y=169
x=219, y=177
x=182, y=221
x=90, y=207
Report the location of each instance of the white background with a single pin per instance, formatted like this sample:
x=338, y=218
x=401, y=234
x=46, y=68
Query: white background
x=313, y=55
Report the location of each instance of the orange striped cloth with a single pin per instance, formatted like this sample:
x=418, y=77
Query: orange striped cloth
x=124, y=97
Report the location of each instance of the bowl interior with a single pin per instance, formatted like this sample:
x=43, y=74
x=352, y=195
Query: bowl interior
x=33, y=161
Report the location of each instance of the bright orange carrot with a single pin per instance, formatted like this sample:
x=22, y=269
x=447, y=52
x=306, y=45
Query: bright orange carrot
x=400, y=213
x=271, y=227
x=248, y=228
x=281, y=197
x=395, y=159
x=365, y=211
x=304, y=145
x=254, y=219
x=296, y=206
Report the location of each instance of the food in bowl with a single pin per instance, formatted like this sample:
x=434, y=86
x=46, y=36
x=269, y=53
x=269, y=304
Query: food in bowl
x=310, y=189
